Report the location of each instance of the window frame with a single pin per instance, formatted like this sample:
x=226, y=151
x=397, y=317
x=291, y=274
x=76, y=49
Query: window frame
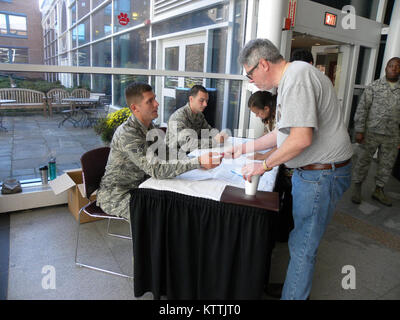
x=8, y=34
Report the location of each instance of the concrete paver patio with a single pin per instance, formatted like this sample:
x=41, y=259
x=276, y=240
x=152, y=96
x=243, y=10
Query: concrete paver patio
x=30, y=139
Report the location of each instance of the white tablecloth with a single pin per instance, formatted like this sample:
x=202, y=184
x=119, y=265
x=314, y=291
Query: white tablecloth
x=211, y=183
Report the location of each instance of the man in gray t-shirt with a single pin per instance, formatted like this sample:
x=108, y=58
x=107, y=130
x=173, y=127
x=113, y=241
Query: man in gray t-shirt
x=311, y=137
x=306, y=99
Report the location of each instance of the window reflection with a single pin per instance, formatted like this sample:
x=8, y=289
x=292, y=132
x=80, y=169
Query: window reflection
x=102, y=23
x=129, y=13
x=131, y=50
x=102, y=54
x=83, y=8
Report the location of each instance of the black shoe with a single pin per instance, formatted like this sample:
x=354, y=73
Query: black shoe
x=274, y=290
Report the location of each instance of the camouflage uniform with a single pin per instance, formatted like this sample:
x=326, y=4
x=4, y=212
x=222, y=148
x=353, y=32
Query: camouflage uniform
x=128, y=166
x=378, y=117
x=185, y=118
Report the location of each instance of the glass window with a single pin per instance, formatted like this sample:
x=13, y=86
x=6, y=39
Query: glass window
x=74, y=37
x=102, y=54
x=194, y=61
x=363, y=65
x=74, y=58
x=102, y=22
x=84, y=56
x=96, y=3
x=120, y=83
x=63, y=17
x=131, y=50
x=3, y=24
x=129, y=13
x=4, y=58
x=218, y=58
x=169, y=107
x=83, y=8
x=102, y=83
x=84, y=80
x=192, y=20
x=83, y=32
x=73, y=14
x=19, y=55
x=171, y=63
x=17, y=25
x=13, y=25
x=14, y=55
x=238, y=36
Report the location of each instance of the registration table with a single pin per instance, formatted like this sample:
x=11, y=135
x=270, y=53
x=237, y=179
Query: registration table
x=201, y=239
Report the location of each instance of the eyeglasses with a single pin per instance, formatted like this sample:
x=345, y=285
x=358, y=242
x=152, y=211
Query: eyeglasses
x=248, y=75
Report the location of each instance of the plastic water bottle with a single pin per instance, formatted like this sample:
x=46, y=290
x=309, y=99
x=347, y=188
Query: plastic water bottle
x=52, y=168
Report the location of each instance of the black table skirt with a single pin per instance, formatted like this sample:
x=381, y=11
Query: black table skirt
x=193, y=248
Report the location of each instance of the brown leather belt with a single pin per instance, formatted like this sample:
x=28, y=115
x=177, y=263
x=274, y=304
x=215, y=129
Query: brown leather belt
x=325, y=166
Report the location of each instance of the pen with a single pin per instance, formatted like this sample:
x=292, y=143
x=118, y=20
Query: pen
x=237, y=173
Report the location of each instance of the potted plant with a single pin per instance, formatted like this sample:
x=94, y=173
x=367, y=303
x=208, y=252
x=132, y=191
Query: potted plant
x=105, y=127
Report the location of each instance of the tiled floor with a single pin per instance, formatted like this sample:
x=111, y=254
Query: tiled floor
x=46, y=237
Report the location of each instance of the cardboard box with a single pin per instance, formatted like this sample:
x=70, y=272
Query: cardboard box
x=72, y=182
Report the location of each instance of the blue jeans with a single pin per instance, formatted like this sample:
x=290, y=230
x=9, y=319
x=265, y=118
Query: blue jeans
x=315, y=195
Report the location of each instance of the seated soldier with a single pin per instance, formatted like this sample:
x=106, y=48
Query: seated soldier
x=130, y=163
x=186, y=124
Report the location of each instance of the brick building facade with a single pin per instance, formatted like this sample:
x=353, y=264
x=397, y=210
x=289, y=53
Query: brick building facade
x=21, y=36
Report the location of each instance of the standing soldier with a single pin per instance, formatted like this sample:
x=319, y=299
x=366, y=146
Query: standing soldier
x=377, y=123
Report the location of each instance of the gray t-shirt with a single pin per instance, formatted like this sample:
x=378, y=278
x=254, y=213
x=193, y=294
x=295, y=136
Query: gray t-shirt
x=306, y=98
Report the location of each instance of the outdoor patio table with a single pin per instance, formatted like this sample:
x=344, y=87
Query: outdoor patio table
x=4, y=101
x=77, y=109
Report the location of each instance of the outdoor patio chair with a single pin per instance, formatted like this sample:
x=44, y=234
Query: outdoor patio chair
x=94, y=114
x=93, y=168
x=80, y=93
x=55, y=100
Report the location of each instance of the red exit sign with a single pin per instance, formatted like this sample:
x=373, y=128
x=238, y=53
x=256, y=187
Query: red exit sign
x=330, y=19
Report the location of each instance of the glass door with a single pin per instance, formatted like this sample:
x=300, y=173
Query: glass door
x=183, y=54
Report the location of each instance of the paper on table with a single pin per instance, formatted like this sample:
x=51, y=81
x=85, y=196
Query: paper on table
x=224, y=172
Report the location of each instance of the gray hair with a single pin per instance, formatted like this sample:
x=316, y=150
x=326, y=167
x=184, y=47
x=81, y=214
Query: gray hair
x=258, y=49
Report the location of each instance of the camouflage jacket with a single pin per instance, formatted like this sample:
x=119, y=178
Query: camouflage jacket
x=128, y=166
x=379, y=109
x=185, y=118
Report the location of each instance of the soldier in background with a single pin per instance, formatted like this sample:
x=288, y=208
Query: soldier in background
x=191, y=117
x=129, y=163
x=376, y=123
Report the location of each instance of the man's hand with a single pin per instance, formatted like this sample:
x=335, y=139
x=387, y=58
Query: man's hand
x=210, y=160
x=233, y=152
x=221, y=137
x=360, y=137
x=252, y=169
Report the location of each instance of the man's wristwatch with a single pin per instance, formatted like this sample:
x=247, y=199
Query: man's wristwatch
x=266, y=168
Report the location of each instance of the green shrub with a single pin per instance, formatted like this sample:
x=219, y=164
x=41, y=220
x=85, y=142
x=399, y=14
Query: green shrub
x=105, y=127
x=35, y=84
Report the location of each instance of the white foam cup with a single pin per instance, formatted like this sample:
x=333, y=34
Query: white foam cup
x=251, y=187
